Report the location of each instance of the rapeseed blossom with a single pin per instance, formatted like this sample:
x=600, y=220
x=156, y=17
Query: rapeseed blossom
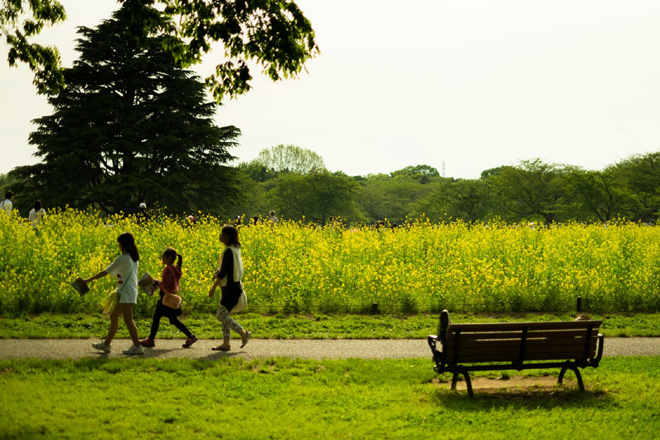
x=420, y=266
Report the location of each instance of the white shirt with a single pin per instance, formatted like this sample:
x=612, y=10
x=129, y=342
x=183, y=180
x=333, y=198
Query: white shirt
x=125, y=270
x=35, y=216
x=7, y=206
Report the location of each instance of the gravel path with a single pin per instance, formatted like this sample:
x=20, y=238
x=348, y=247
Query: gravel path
x=264, y=348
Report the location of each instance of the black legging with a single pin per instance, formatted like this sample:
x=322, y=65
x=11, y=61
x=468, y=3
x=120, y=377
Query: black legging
x=172, y=315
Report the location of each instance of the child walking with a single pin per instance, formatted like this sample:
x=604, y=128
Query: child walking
x=124, y=268
x=228, y=277
x=169, y=284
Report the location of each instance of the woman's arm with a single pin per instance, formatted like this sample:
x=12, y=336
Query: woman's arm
x=213, y=287
x=96, y=277
x=226, y=265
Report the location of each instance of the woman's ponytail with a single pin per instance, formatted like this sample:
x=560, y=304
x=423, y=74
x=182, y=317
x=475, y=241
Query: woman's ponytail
x=179, y=263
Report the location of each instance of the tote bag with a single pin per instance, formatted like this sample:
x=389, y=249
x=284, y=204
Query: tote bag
x=242, y=302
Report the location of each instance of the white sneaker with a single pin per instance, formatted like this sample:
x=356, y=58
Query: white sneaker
x=101, y=346
x=134, y=349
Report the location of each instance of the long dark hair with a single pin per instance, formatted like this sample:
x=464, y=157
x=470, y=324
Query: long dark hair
x=232, y=233
x=38, y=205
x=128, y=246
x=172, y=254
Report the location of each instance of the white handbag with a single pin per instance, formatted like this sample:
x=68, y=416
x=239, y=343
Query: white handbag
x=242, y=302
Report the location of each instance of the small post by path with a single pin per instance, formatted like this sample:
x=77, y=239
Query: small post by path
x=579, y=304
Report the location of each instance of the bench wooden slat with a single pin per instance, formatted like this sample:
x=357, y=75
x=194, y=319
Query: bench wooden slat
x=536, y=349
x=515, y=358
x=503, y=344
x=451, y=335
x=517, y=326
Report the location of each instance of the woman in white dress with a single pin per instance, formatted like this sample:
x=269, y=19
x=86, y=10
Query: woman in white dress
x=36, y=214
x=125, y=269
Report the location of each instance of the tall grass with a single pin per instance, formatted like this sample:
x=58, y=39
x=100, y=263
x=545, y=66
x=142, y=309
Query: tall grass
x=292, y=267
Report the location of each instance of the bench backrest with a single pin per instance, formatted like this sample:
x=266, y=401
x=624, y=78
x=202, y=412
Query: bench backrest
x=519, y=341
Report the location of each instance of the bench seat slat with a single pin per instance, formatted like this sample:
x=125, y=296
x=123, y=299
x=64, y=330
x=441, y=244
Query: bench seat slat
x=515, y=358
x=516, y=326
x=567, y=351
x=451, y=334
x=515, y=344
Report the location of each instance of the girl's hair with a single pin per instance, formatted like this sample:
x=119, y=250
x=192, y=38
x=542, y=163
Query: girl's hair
x=172, y=254
x=128, y=246
x=231, y=232
x=38, y=205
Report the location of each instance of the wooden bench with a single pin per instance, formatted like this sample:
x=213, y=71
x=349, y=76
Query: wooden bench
x=518, y=346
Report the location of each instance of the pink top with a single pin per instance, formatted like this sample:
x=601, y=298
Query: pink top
x=170, y=282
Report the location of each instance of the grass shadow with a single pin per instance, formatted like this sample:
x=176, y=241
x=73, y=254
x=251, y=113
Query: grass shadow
x=527, y=398
x=157, y=352
x=220, y=354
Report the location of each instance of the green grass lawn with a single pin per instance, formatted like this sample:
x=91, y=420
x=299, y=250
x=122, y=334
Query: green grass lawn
x=293, y=398
x=314, y=326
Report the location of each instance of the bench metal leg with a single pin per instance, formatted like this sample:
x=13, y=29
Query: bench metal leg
x=454, y=380
x=468, y=382
x=571, y=366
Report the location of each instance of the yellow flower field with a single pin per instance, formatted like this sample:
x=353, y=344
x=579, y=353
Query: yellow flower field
x=422, y=267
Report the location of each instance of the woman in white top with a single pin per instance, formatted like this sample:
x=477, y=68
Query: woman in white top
x=6, y=206
x=228, y=276
x=125, y=269
x=272, y=218
x=36, y=214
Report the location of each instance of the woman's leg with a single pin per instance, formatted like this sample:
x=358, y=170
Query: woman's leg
x=127, y=311
x=156, y=321
x=228, y=324
x=174, y=320
x=114, y=324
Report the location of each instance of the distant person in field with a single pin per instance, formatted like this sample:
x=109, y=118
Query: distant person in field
x=143, y=215
x=238, y=221
x=125, y=269
x=169, y=283
x=7, y=204
x=36, y=214
x=228, y=277
x=255, y=219
x=272, y=218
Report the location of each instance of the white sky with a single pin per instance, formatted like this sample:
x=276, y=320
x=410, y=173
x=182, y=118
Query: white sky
x=473, y=84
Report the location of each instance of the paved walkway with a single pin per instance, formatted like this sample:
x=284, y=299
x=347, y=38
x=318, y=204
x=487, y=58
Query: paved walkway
x=264, y=348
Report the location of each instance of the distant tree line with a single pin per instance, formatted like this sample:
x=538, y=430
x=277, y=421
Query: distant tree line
x=295, y=183
x=532, y=190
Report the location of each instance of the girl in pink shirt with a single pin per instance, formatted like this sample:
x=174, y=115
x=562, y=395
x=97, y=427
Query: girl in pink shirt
x=169, y=283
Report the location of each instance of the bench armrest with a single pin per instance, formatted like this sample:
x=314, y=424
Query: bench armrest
x=599, y=354
x=437, y=355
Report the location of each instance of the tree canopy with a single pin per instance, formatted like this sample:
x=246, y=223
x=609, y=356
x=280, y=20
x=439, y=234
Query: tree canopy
x=274, y=34
x=290, y=159
x=130, y=127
